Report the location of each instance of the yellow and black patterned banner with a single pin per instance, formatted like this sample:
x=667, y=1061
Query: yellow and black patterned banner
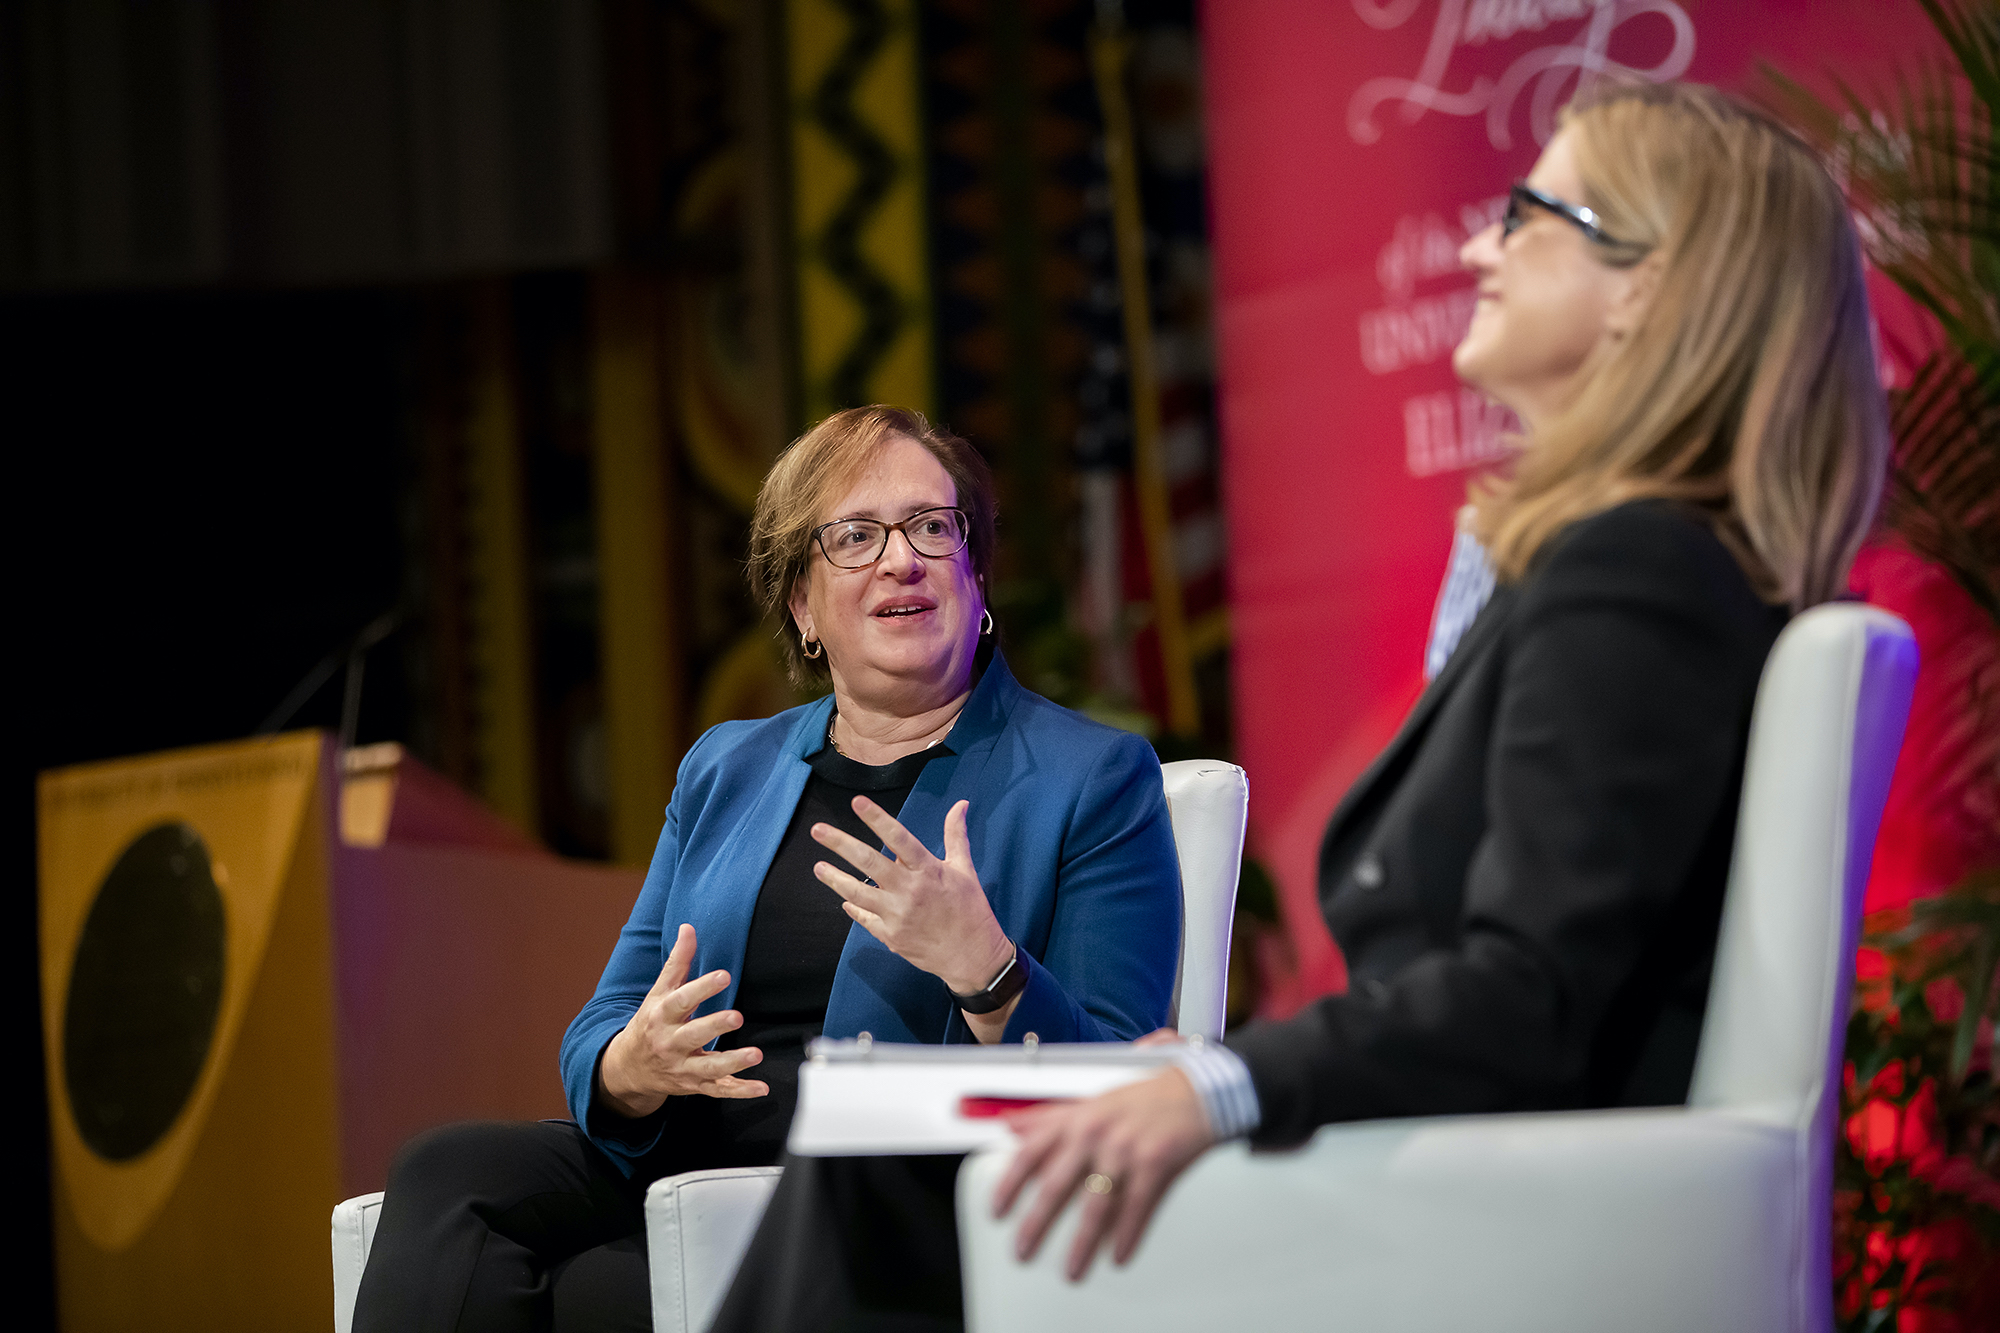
x=858, y=204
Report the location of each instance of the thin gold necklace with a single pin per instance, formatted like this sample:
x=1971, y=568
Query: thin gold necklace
x=834, y=741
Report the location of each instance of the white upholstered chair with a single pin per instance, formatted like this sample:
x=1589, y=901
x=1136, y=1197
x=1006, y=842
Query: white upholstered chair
x=1209, y=803
x=353, y=1232
x=1713, y=1216
x=699, y=1223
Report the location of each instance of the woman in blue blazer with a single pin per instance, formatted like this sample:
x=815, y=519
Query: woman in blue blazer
x=930, y=854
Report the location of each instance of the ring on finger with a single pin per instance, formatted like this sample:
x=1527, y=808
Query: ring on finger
x=1099, y=1183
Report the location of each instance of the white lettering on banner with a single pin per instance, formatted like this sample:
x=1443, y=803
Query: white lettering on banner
x=1416, y=334
x=1454, y=430
x=1549, y=68
x=1416, y=331
x=1423, y=247
x=1476, y=218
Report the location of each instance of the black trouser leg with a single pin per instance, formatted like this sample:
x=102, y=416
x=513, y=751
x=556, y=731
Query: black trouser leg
x=856, y=1244
x=607, y=1289
x=484, y=1227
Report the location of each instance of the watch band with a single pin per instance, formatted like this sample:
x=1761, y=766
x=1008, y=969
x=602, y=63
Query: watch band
x=1013, y=979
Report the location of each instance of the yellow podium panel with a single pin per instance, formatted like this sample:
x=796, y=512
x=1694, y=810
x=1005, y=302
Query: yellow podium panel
x=250, y=1004
x=187, y=1003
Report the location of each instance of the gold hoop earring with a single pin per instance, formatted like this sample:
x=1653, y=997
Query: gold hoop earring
x=985, y=622
x=807, y=645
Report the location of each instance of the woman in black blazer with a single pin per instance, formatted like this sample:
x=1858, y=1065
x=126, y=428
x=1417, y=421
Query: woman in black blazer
x=1527, y=882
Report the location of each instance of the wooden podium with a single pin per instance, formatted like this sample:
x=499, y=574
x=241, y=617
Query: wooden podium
x=252, y=995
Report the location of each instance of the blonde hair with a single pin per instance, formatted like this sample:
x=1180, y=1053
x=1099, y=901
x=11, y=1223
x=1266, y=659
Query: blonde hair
x=1748, y=389
x=812, y=472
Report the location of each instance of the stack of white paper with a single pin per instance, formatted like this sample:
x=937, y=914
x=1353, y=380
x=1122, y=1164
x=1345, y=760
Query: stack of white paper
x=860, y=1098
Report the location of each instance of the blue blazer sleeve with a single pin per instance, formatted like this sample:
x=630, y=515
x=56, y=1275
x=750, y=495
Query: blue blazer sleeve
x=1106, y=971
x=634, y=966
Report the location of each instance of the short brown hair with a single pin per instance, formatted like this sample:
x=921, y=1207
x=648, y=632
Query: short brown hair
x=1749, y=388
x=812, y=470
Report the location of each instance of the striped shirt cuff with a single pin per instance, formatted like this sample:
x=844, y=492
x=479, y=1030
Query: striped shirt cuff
x=1222, y=1081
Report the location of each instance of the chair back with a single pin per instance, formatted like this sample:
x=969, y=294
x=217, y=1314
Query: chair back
x=1208, y=802
x=1823, y=740
x=353, y=1236
x=1824, y=735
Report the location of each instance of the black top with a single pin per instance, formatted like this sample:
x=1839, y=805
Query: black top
x=796, y=935
x=1527, y=883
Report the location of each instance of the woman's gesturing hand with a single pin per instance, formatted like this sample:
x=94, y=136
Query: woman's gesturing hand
x=1124, y=1148
x=930, y=912
x=662, y=1053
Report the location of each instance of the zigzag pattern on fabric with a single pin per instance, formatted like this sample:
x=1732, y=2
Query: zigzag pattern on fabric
x=875, y=169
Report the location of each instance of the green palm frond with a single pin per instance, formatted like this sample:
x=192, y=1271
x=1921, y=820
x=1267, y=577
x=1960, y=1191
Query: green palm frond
x=1972, y=32
x=1944, y=482
x=1954, y=935
x=1922, y=167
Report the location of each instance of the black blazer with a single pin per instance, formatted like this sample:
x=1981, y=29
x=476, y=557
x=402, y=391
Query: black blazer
x=1527, y=882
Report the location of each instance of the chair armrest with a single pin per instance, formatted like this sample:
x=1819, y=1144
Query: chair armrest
x=353, y=1233
x=1208, y=801
x=1665, y=1219
x=698, y=1224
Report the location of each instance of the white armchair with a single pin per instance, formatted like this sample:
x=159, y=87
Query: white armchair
x=1713, y=1216
x=353, y=1233
x=1209, y=804
x=699, y=1223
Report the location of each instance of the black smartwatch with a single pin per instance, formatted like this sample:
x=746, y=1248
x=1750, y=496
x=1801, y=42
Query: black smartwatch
x=1013, y=979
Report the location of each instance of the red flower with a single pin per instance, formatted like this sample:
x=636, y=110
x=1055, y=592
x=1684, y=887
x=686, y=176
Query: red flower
x=1928, y=1319
x=1921, y=1140
x=1847, y=1302
x=1937, y=1244
x=1872, y=980
x=1876, y=1253
x=1945, y=999
x=1873, y=1132
x=1936, y=1260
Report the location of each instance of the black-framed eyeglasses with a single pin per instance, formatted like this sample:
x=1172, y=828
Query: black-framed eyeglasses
x=856, y=543
x=1583, y=219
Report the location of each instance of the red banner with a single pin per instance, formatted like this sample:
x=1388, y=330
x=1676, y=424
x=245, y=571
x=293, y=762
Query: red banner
x=1354, y=145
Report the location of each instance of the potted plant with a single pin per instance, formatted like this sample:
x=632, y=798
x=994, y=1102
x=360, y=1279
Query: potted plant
x=1917, y=1206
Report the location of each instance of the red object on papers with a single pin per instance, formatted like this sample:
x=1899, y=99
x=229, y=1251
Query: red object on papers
x=988, y=1108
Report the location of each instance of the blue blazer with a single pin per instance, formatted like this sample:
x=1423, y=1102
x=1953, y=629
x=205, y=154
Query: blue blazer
x=1069, y=833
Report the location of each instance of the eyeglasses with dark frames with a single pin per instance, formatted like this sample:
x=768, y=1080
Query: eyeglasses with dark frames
x=1583, y=219
x=856, y=543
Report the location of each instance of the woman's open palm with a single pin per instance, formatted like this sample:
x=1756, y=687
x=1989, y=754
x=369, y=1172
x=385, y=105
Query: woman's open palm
x=663, y=1050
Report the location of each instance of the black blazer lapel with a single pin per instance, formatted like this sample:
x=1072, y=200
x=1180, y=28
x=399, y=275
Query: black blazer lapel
x=1358, y=804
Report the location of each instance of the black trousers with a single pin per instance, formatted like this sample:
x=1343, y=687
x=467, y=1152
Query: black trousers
x=530, y=1226
x=853, y=1245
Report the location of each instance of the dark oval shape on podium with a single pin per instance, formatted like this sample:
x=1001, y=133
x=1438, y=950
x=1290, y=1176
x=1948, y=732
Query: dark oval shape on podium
x=144, y=992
